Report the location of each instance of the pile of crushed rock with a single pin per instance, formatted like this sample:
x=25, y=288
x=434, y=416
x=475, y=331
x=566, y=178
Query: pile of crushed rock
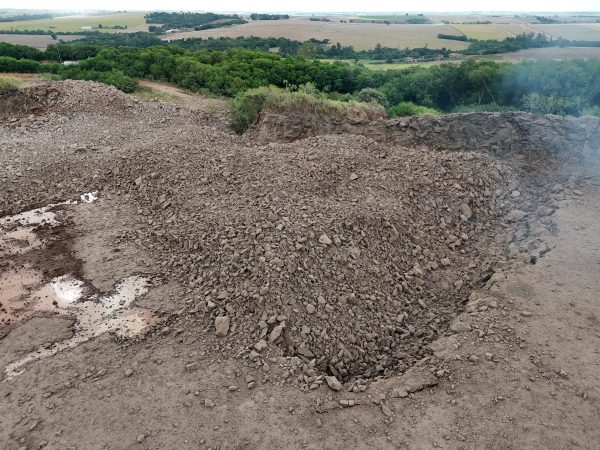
x=347, y=254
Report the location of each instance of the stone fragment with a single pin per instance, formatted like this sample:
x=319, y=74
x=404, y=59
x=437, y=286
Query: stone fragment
x=222, y=326
x=333, y=383
x=324, y=239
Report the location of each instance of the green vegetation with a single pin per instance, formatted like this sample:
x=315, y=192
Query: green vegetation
x=560, y=87
x=453, y=37
x=197, y=21
x=8, y=84
x=591, y=111
x=257, y=16
x=373, y=96
x=23, y=17
x=410, y=109
x=246, y=107
x=521, y=42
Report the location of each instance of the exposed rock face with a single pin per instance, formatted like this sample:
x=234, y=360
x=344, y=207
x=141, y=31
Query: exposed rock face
x=561, y=138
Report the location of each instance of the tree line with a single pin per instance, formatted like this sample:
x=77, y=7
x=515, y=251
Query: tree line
x=566, y=87
x=259, y=16
x=196, y=21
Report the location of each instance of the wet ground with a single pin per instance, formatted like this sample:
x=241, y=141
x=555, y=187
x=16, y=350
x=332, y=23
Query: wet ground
x=27, y=291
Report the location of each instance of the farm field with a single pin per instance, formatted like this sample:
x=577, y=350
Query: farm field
x=514, y=57
x=35, y=40
x=482, y=31
x=74, y=23
x=574, y=31
x=361, y=36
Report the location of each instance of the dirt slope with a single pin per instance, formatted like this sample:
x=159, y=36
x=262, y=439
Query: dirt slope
x=432, y=314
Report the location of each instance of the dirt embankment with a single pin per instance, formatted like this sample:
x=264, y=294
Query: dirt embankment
x=502, y=134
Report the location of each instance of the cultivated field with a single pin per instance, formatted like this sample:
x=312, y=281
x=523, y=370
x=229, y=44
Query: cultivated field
x=482, y=31
x=361, y=36
x=35, y=40
x=74, y=23
x=366, y=35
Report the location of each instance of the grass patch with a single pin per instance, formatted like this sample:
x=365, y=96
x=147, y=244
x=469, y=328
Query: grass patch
x=411, y=109
x=8, y=84
x=246, y=107
x=147, y=94
x=591, y=111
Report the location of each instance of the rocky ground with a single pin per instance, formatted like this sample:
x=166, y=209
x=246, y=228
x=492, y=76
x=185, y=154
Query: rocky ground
x=331, y=291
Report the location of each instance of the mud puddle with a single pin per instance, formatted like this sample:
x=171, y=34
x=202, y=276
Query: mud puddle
x=25, y=293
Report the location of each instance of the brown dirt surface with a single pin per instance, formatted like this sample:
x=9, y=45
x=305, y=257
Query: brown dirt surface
x=334, y=291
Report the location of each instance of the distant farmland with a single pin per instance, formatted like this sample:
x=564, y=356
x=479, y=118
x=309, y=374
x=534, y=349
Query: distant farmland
x=35, y=40
x=361, y=36
x=133, y=20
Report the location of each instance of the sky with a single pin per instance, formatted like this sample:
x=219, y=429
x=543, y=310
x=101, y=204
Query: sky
x=313, y=5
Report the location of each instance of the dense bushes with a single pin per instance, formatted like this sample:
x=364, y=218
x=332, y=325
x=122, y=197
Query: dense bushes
x=8, y=64
x=20, y=52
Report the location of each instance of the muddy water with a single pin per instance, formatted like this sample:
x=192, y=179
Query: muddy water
x=93, y=316
x=24, y=293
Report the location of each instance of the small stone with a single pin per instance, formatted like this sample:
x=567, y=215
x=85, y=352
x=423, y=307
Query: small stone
x=165, y=331
x=192, y=366
x=445, y=262
x=459, y=326
x=563, y=373
x=306, y=352
x=324, y=239
x=276, y=332
x=386, y=410
x=353, y=176
x=140, y=438
x=260, y=345
x=526, y=313
x=222, y=325
x=128, y=372
x=333, y=383
x=310, y=309
x=209, y=403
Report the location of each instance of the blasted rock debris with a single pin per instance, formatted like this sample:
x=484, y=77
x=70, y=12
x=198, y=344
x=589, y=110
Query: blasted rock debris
x=347, y=255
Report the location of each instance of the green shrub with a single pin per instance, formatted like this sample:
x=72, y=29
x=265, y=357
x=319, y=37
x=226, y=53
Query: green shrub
x=370, y=95
x=114, y=78
x=411, y=109
x=551, y=104
x=591, y=111
x=119, y=80
x=10, y=64
x=246, y=107
x=8, y=84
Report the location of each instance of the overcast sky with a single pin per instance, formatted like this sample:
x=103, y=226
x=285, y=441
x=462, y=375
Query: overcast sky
x=313, y=5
